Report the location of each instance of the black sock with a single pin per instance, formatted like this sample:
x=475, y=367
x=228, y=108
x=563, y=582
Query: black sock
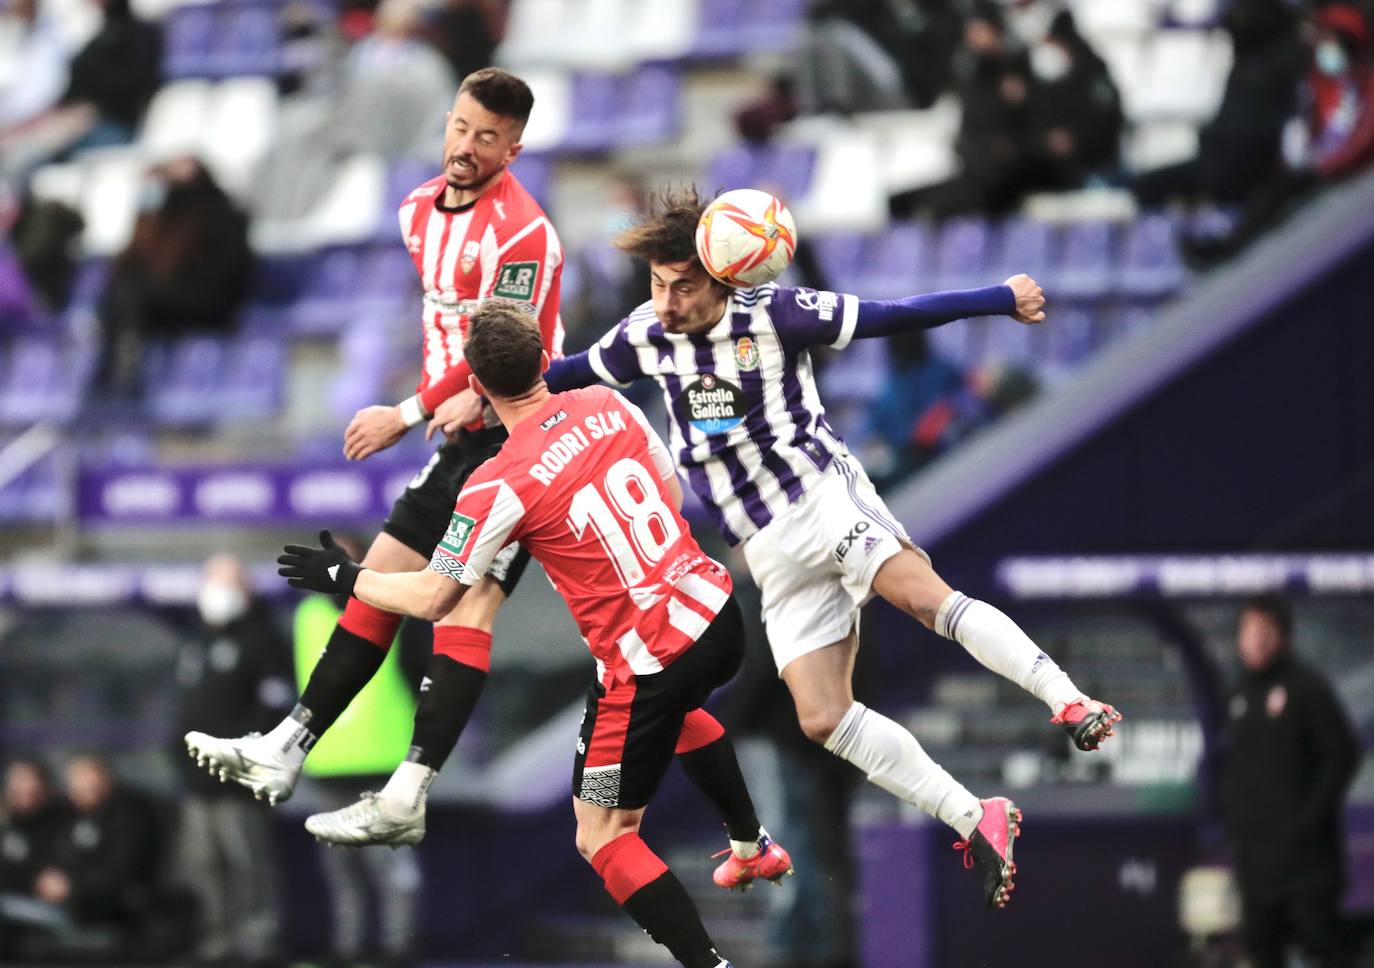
x=663, y=909
x=348, y=662
x=448, y=696
x=714, y=770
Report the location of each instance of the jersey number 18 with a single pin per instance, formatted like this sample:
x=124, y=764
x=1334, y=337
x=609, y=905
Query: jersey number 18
x=625, y=526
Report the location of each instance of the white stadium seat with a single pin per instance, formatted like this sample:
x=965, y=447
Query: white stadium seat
x=1183, y=77
x=109, y=200
x=1156, y=143
x=176, y=118
x=837, y=201
x=549, y=123
x=240, y=122
x=529, y=39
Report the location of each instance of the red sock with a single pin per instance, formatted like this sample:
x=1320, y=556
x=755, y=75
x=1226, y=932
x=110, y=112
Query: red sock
x=372, y=624
x=699, y=728
x=471, y=647
x=627, y=864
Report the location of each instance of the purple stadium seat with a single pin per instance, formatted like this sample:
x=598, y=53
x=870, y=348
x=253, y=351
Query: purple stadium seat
x=253, y=378
x=1150, y=265
x=721, y=29
x=649, y=110
x=1087, y=267
x=89, y=284
x=535, y=172
x=387, y=273
x=1026, y=246
x=16, y=300
x=839, y=256
x=186, y=390
x=595, y=112
x=784, y=168
x=896, y=263
x=249, y=41
x=1071, y=335
x=962, y=254
x=40, y=380
x=332, y=280
x=189, y=37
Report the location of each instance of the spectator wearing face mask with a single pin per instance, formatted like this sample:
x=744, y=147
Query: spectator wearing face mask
x=1332, y=137
x=1076, y=112
x=234, y=673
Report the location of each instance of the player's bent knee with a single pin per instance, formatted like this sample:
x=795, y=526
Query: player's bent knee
x=820, y=723
x=597, y=827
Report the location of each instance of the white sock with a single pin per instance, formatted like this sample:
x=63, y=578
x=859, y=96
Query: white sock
x=408, y=787
x=744, y=849
x=999, y=644
x=290, y=740
x=892, y=759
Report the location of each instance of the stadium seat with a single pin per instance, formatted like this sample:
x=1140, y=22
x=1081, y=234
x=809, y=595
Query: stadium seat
x=1183, y=77
x=109, y=203
x=896, y=263
x=962, y=254
x=176, y=119
x=596, y=102
x=1150, y=264
x=720, y=29
x=40, y=379
x=839, y=255
x=16, y=300
x=1153, y=144
x=916, y=148
x=1071, y=335
x=190, y=35
x=1086, y=270
x=648, y=111
x=1025, y=245
x=1096, y=19
x=253, y=379
x=836, y=200
x=184, y=382
x=238, y=129
x=784, y=168
x=248, y=40
x=548, y=126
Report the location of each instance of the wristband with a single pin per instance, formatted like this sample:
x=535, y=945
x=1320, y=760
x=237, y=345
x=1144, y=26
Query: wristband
x=413, y=411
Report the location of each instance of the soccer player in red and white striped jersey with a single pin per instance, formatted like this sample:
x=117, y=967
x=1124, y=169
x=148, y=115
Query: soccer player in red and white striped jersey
x=589, y=489
x=474, y=232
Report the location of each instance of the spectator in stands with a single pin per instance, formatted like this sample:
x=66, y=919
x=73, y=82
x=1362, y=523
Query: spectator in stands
x=115, y=75
x=841, y=67
x=33, y=63
x=995, y=144
x=107, y=859
x=1077, y=109
x=34, y=818
x=467, y=32
x=1239, y=148
x=1292, y=755
x=185, y=270
x=357, y=754
x=234, y=672
x=914, y=414
x=45, y=237
x=1334, y=134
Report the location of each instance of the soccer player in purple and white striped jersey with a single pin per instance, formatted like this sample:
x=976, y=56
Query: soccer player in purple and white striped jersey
x=748, y=432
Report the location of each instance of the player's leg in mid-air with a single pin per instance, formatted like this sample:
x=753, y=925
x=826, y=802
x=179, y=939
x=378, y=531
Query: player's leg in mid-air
x=816, y=565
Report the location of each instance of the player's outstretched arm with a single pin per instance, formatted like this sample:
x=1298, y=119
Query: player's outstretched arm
x=570, y=373
x=884, y=317
x=423, y=594
x=1030, y=299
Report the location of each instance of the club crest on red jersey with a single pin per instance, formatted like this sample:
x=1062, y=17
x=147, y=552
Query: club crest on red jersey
x=471, y=250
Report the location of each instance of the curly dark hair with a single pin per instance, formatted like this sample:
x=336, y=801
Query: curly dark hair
x=668, y=233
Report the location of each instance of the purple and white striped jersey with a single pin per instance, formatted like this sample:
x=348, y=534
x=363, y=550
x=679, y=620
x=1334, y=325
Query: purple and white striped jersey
x=746, y=423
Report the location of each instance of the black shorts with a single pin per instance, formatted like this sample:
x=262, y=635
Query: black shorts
x=629, y=731
x=420, y=516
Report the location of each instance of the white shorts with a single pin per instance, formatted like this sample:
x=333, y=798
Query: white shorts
x=815, y=562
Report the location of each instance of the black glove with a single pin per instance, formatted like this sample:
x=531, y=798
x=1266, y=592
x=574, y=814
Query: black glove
x=325, y=569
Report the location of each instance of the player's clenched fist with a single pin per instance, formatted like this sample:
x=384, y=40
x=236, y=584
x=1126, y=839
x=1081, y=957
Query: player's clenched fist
x=325, y=569
x=1030, y=300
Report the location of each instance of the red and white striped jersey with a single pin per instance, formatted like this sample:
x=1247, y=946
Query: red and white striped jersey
x=580, y=486
x=500, y=245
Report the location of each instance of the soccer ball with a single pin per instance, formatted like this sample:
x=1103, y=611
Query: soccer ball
x=746, y=238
